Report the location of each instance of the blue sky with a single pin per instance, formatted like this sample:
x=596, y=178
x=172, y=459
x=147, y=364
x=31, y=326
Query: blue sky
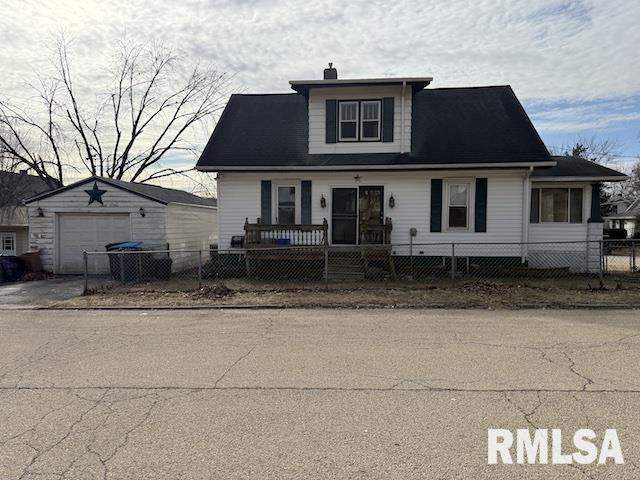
x=574, y=64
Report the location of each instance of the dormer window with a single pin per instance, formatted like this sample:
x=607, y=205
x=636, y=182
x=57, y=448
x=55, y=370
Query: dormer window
x=348, y=121
x=359, y=121
x=370, y=125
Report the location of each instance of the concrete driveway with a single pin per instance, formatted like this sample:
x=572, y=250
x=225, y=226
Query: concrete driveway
x=39, y=293
x=308, y=394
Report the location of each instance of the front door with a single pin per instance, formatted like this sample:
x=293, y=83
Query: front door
x=371, y=210
x=356, y=212
x=344, y=216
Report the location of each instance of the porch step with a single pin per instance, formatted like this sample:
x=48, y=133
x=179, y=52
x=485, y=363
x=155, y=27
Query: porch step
x=345, y=266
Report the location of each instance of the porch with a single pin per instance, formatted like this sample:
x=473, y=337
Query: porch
x=262, y=235
x=308, y=247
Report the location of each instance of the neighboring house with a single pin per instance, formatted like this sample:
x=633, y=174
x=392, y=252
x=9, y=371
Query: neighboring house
x=378, y=158
x=15, y=188
x=625, y=215
x=89, y=214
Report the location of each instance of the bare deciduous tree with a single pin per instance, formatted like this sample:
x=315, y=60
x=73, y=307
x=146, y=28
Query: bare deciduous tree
x=593, y=149
x=154, y=100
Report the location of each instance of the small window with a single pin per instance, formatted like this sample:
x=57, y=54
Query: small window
x=556, y=205
x=286, y=205
x=8, y=243
x=458, y=205
x=348, y=120
x=370, y=125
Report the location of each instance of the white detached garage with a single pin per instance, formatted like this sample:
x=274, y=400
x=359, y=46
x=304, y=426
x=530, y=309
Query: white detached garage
x=96, y=211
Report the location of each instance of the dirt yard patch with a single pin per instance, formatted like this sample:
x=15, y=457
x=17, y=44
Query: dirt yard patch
x=445, y=294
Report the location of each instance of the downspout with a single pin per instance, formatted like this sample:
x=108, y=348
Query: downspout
x=404, y=86
x=526, y=208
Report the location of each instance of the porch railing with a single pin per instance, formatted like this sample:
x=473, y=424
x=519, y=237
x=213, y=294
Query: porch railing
x=376, y=234
x=263, y=234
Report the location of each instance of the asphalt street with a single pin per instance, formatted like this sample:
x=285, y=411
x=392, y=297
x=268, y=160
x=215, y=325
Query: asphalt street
x=261, y=394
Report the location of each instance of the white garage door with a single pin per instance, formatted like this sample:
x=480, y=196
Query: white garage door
x=91, y=233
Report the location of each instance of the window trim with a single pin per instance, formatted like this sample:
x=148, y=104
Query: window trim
x=296, y=201
x=448, y=183
x=563, y=187
x=358, y=138
x=341, y=121
x=12, y=236
x=378, y=137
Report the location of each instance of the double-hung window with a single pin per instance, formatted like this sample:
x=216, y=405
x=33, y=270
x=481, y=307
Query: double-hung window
x=360, y=120
x=348, y=128
x=7, y=243
x=556, y=205
x=370, y=123
x=458, y=205
x=286, y=208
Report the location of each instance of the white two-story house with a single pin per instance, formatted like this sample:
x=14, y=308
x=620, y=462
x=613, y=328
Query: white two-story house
x=389, y=160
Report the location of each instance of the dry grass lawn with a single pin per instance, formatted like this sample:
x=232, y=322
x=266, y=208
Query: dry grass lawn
x=458, y=293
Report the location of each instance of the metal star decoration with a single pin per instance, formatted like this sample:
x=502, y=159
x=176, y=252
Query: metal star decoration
x=95, y=194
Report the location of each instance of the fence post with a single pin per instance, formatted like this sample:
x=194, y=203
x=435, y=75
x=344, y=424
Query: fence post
x=326, y=264
x=453, y=260
x=122, y=268
x=633, y=256
x=200, y=269
x=411, y=256
x=86, y=271
x=601, y=272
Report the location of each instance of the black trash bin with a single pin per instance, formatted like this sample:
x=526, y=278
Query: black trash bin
x=124, y=266
x=11, y=268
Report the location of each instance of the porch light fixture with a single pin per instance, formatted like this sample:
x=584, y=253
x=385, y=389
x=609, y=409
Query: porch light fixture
x=357, y=178
x=142, y=212
x=40, y=212
x=392, y=201
x=323, y=202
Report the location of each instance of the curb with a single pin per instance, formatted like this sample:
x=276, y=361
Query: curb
x=577, y=306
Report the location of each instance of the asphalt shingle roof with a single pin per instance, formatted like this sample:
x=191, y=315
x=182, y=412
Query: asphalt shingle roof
x=567, y=166
x=154, y=192
x=451, y=125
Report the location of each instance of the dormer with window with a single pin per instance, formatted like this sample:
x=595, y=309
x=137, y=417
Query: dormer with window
x=359, y=116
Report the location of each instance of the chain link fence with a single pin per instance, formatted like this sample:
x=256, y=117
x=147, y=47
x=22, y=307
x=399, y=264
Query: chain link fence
x=311, y=266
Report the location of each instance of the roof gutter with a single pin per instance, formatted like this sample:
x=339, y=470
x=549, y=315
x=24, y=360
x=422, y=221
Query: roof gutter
x=421, y=166
x=404, y=87
x=616, y=178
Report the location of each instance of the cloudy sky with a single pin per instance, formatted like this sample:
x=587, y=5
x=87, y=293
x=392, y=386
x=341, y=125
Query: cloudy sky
x=574, y=64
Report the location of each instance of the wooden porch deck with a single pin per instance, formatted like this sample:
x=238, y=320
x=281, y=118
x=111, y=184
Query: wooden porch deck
x=309, y=242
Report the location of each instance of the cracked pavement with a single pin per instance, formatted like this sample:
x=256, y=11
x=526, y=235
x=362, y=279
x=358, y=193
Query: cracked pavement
x=308, y=393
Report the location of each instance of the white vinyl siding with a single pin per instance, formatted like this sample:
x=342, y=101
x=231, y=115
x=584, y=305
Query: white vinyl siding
x=190, y=227
x=239, y=198
x=317, y=119
x=44, y=233
x=180, y=226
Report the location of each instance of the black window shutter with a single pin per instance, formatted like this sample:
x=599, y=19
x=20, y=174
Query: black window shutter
x=387, y=119
x=305, y=202
x=331, y=129
x=436, y=205
x=265, y=202
x=481, y=205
